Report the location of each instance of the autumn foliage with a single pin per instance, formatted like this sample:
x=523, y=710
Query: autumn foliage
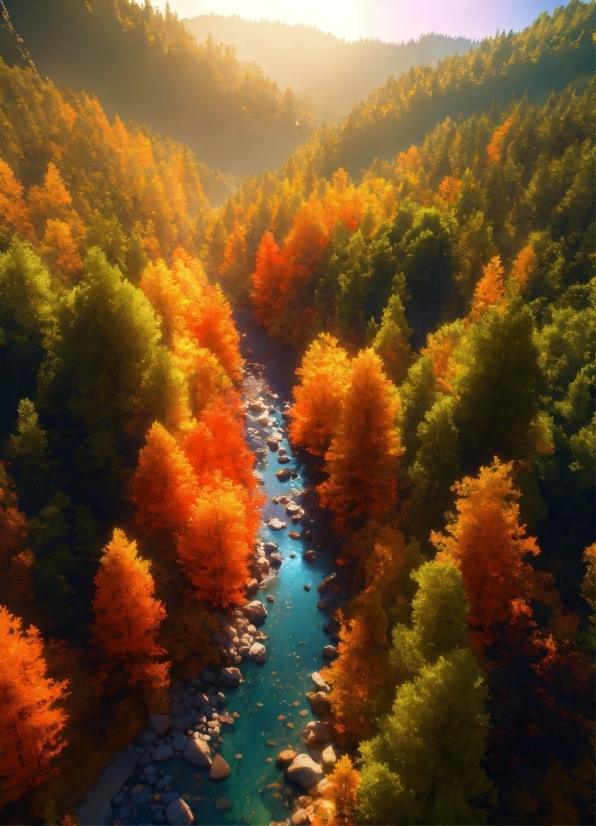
x=215, y=545
x=164, y=486
x=490, y=290
x=340, y=796
x=31, y=721
x=325, y=375
x=127, y=618
x=488, y=544
x=362, y=459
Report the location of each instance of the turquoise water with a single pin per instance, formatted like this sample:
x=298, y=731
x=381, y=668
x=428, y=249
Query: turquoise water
x=295, y=639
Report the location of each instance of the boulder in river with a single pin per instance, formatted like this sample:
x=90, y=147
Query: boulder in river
x=222, y=804
x=304, y=771
x=161, y=753
x=197, y=752
x=254, y=610
x=275, y=560
x=284, y=474
x=309, y=556
x=285, y=757
x=315, y=732
x=270, y=547
x=219, y=768
x=319, y=681
x=282, y=459
x=329, y=757
x=178, y=743
x=319, y=703
x=258, y=652
x=276, y=524
x=178, y=813
x=299, y=817
x=231, y=676
x=160, y=723
x=330, y=652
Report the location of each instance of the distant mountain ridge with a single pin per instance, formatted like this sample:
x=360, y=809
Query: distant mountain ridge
x=335, y=74
x=144, y=66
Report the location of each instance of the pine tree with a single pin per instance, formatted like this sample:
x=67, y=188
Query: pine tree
x=127, y=619
x=488, y=543
x=362, y=459
x=214, y=547
x=31, y=721
x=164, y=486
x=325, y=375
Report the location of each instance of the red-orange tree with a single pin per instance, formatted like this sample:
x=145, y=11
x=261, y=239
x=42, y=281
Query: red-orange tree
x=216, y=444
x=215, y=546
x=325, y=377
x=30, y=721
x=164, y=486
x=127, y=617
x=488, y=544
x=362, y=459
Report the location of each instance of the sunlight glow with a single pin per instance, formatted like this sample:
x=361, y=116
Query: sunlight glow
x=389, y=20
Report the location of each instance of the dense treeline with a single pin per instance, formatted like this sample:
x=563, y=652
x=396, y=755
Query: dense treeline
x=335, y=74
x=202, y=95
x=127, y=499
x=445, y=305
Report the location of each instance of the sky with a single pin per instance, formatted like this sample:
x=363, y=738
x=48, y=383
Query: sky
x=390, y=20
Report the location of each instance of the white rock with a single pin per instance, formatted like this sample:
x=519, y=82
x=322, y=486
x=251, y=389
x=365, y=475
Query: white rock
x=305, y=771
x=329, y=757
x=276, y=524
x=258, y=652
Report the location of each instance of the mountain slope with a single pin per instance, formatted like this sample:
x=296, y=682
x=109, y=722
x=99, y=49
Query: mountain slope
x=334, y=74
x=145, y=66
x=555, y=50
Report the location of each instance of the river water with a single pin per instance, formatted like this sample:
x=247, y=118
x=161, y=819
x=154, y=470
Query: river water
x=295, y=639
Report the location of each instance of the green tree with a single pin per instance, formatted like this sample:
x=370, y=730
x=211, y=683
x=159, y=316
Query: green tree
x=27, y=312
x=98, y=377
x=435, y=469
x=498, y=387
x=392, y=343
x=426, y=764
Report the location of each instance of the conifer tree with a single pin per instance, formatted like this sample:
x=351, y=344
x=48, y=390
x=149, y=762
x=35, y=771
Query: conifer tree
x=164, y=486
x=488, y=543
x=31, y=721
x=325, y=375
x=426, y=764
x=215, y=545
x=127, y=619
x=362, y=459
x=391, y=342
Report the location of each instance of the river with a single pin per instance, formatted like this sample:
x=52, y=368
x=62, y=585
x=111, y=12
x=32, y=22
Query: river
x=295, y=638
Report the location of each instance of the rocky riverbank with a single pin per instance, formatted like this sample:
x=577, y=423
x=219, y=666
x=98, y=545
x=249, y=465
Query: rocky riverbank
x=249, y=741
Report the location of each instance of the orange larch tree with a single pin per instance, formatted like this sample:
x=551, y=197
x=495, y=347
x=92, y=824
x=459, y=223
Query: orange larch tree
x=14, y=215
x=325, y=377
x=362, y=459
x=524, y=265
x=216, y=444
x=488, y=544
x=30, y=719
x=267, y=280
x=127, y=617
x=164, y=486
x=490, y=290
x=215, y=546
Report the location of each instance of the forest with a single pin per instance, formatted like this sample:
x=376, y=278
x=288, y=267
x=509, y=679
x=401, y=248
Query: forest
x=427, y=264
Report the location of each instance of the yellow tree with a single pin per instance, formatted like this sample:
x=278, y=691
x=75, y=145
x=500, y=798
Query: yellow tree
x=325, y=376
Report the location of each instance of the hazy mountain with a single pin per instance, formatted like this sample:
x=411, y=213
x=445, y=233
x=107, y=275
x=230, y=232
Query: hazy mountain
x=335, y=74
x=145, y=66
